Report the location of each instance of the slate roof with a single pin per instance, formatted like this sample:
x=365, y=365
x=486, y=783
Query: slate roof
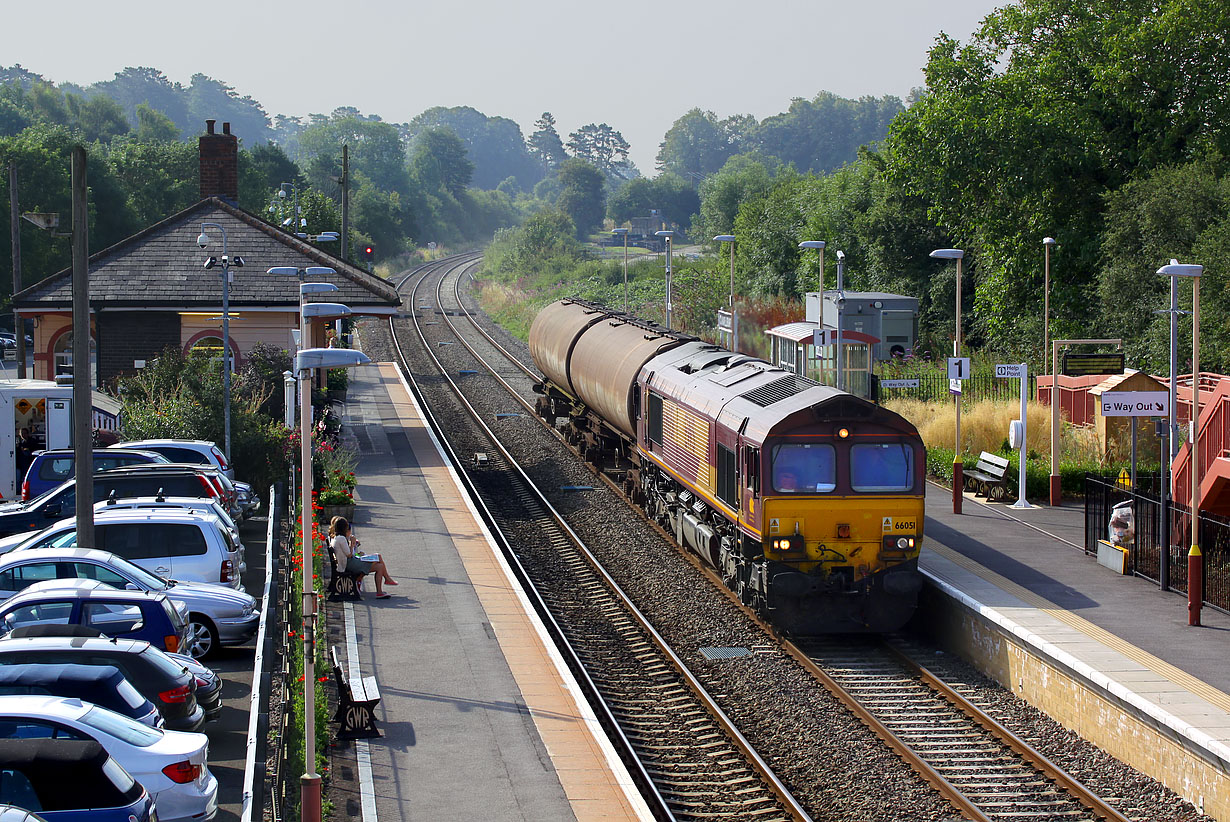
x=162, y=267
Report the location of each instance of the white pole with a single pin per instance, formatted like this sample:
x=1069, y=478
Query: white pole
x=1021, y=502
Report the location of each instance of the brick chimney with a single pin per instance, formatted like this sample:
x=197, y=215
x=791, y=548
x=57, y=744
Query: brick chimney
x=219, y=163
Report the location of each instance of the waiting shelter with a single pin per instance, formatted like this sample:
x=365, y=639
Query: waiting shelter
x=1113, y=432
x=792, y=347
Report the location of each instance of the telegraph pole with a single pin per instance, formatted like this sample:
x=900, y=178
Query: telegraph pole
x=345, y=202
x=83, y=444
x=15, y=227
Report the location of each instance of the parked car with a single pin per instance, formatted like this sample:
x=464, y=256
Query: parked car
x=38, y=773
x=162, y=680
x=249, y=500
x=208, y=685
x=50, y=468
x=45, y=509
x=200, y=452
x=9, y=335
x=226, y=489
x=101, y=684
x=12, y=813
x=119, y=613
x=207, y=507
x=217, y=615
x=173, y=766
x=172, y=543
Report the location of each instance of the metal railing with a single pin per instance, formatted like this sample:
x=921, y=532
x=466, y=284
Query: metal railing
x=1145, y=547
x=934, y=386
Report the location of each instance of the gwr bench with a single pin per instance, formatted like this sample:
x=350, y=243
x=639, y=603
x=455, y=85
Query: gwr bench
x=342, y=584
x=357, y=700
x=989, y=477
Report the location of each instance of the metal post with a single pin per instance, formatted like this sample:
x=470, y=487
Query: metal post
x=309, y=783
x=839, y=303
x=1047, y=242
x=345, y=202
x=668, y=284
x=1164, y=497
x=958, y=466
x=19, y=328
x=1021, y=502
x=1174, y=368
x=226, y=350
x=1133, y=472
x=625, y=272
x=83, y=444
x=1195, y=562
x=288, y=398
x=1055, y=486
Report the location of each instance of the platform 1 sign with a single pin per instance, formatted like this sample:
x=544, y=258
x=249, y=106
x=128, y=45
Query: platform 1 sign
x=1135, y=404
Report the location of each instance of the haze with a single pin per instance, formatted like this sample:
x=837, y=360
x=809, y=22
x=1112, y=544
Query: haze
x=636, y=65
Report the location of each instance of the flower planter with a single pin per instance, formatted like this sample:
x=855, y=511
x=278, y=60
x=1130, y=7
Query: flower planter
x=328, y=512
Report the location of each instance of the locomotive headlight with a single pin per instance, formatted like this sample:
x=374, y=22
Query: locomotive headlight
x=905, y=543
x=842, y=433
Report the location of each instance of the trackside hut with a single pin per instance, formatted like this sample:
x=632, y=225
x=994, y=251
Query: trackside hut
x=150, y=292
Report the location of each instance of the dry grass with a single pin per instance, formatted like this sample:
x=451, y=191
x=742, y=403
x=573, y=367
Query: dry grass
x=984, y=427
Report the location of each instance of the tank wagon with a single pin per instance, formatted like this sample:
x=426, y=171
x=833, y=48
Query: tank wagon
x=807, y=501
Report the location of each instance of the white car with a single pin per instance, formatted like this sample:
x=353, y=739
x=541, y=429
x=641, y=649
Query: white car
x=174, y=544
x=172, y=765
x=208, y=507
x=198, y=452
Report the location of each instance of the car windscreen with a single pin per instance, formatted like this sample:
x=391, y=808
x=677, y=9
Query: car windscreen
x=163, y=663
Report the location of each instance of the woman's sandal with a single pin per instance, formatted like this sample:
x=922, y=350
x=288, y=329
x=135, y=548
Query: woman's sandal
x=385, y=595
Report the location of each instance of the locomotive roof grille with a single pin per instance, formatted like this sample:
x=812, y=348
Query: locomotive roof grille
x=778, y=390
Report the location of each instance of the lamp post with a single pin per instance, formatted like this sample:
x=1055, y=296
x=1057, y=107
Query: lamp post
x=840, y=303
x=1195, y=566
x=295, y=221
x=624, y=233
x=305, y=288
x=666, y=235
x=958, y=468
x=1047, y=242
x=734, y=322
x=819, y=246
x=306, y=360
x=227, y=262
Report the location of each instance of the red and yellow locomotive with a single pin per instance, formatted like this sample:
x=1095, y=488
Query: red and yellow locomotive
x=808, y=501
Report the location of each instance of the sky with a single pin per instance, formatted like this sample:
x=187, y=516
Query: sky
x=637, y=65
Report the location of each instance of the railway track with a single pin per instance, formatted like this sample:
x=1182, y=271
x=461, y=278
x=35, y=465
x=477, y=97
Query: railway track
x=984, y=771
x=694, y=762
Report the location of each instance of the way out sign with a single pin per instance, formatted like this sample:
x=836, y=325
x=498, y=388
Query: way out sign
x=1135, y=404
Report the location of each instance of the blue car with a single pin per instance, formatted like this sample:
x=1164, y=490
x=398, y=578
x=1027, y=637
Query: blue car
x=50, y=468
x=123, y=614
x=103, y=685
x=34, y=775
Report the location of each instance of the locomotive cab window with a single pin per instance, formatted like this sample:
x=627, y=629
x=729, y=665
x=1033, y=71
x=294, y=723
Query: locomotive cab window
x=751, y=465
x=880, y=467
x=653, y=428
x=804, y=468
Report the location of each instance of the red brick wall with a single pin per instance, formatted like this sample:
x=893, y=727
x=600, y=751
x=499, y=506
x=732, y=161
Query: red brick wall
x=219, y=163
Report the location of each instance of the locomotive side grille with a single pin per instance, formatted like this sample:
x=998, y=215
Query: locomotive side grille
x=778, y=390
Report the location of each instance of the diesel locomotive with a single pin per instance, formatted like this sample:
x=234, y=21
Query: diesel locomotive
x=806, y=500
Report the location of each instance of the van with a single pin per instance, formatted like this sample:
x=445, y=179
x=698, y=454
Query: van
x=50, y=468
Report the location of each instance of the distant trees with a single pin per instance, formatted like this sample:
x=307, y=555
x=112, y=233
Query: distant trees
x=601, y=146
x=581, y=196
x=545, y=144
x=494, y=145
x=668, y=193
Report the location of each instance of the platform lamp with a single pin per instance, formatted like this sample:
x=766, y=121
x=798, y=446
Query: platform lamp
x=1195, y=566
x=958, y=468
x=1047, y=243
x=667, y=235
x=306, y=360
x=623, y=232
x=227, y=262
x=734, y=323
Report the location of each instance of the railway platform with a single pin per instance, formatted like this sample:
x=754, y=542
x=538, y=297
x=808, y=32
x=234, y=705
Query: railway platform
x=1111, y=657
x=479, y=715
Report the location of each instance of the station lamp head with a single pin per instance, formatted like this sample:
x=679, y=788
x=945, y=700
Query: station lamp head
x=948, y=254
x=819, y=244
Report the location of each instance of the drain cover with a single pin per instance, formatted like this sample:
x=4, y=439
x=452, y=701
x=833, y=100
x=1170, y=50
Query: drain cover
x=724, y=653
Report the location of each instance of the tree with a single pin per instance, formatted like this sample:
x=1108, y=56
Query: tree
x=742, y=178
x=439, y=161
x=544, y=144
x=599, y=145
x=158, y=178
x=582, y=197
x=825, y=132
x=154, y=126
x=494, y=145
x=696, y=143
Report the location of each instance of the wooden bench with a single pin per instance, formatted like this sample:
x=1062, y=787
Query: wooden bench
x=357, y=700
x=342, y=585
x=989, y=477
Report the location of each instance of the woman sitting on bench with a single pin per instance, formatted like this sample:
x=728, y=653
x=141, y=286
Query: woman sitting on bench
x=344, y=546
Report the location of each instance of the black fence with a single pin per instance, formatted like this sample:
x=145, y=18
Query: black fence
x=934, y=386
x=1156, y=552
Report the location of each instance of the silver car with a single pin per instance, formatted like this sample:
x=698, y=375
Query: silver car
x=208, y=507
x=217, y=615
x=173, y=543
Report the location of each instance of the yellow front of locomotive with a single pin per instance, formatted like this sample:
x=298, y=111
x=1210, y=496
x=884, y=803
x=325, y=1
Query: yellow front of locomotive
x=842, y=525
